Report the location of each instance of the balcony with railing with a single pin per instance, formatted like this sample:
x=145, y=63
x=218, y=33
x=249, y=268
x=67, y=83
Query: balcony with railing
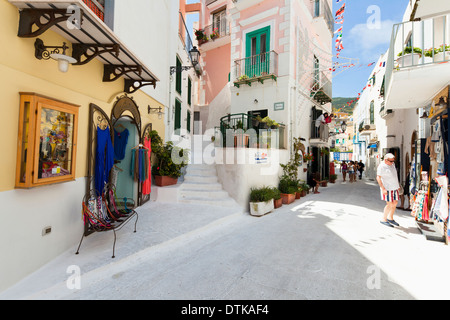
x=321, y=89
x=257, y=68
x=366, y=127
x=247, y=131
x=419, y=50
x=212, y=32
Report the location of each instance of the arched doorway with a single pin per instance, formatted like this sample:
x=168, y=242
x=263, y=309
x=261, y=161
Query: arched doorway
x=124, y=126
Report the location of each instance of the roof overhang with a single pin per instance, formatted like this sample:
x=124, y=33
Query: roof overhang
x=429, y=8
x=416, y=87
x=91, y=39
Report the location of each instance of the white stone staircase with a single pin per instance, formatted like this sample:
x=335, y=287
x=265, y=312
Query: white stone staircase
x=201, y=186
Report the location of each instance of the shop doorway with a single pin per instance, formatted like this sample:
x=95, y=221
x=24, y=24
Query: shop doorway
x=125, y=139
x=124, y=116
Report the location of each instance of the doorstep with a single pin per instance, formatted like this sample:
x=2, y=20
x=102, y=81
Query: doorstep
x=430, y=231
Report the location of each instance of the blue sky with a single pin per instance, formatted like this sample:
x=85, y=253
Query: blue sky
x=362, y=41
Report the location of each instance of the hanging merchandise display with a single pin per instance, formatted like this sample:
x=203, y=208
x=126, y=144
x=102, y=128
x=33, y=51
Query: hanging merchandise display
x=140, y=163
x=419, y=209
x=120, y=143
x=147, y=184
x=104, y=159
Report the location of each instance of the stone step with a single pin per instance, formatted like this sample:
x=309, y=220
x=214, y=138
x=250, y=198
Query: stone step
x=209, y=194
x=190, y=185
x=200, y=179
x=206, y=201
x=196, y=171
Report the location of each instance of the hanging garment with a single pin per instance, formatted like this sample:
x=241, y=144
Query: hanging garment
x=430, y=148
x=147, y=184
x=436, y=133
x=104, y=159
x=443, y=207
x=139, y=168
x=120, y=143
x=425, y=213
x=417, y=209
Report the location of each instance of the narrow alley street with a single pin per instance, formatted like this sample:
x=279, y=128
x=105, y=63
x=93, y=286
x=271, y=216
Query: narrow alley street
x=323, y=246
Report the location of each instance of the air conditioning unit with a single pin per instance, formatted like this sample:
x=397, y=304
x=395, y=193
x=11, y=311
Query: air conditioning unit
x=369, y=127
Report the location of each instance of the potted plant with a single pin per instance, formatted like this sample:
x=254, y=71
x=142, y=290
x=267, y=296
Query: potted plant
x=409, y=56
x=272, y=124
x=333, y=178
x=277, y=201
x=304, y=187
x=439, y=53
x=261, y=201
x=308, y=157
x=287, y=190
x=324, y=183
x=200, y=36
x=169, y=162
x=215, y=34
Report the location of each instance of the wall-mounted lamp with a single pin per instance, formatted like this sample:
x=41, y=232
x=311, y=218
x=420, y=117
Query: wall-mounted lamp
x=194, y=54
x=157, y=110
x=58, y=53
x=425, y=115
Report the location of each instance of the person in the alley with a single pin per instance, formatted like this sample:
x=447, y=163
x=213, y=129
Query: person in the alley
x=389, y=186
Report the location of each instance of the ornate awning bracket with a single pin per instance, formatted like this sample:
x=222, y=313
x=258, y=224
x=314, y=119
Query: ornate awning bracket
x=113, y=72
x=84, y=53
x=31, y=19
x=132, y=86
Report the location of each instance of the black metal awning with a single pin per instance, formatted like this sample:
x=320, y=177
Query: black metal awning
x=92, y=39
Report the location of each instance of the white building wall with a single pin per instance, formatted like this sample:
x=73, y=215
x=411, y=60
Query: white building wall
x=155, y=39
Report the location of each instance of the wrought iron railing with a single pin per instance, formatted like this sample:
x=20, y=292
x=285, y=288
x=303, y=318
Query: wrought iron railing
x=260, y=65
x=213, y=32
x=245, y=130
x=321, y=89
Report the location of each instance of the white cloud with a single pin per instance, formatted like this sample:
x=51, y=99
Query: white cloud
x=368, y=43
x=369, y=38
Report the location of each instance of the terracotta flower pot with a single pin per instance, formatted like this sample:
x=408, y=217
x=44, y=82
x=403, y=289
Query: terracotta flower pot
x=278, y=203
x=163, y=181
x=298, y=195
x=287, y=198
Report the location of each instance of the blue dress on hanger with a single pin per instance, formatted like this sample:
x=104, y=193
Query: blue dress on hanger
x=120, y=143
x=104, y=159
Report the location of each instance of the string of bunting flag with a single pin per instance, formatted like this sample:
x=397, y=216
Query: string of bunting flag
x=368, y=85
x=339, y=19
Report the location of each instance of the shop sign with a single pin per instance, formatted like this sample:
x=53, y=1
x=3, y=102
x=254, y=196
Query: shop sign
x=261, y=157
x=278, y=106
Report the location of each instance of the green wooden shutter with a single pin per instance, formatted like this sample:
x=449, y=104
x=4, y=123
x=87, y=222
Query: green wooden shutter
x=177, y=117
x=189, y=91
x=178, y=77
x=188, y=124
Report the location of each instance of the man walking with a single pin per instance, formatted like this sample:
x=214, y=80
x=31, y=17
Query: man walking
x=360, y=169
x=389, y=186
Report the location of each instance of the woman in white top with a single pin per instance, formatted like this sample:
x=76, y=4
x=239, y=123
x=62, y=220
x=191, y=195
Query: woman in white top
x=389, y=186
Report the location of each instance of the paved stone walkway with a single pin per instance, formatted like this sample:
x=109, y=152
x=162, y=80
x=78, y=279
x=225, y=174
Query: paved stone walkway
x=325, y=246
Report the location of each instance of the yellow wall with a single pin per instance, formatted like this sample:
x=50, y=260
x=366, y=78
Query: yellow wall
x=20, y=71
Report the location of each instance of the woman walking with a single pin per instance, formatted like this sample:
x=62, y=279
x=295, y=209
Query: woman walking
x=351, y=171
x=344, y=169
